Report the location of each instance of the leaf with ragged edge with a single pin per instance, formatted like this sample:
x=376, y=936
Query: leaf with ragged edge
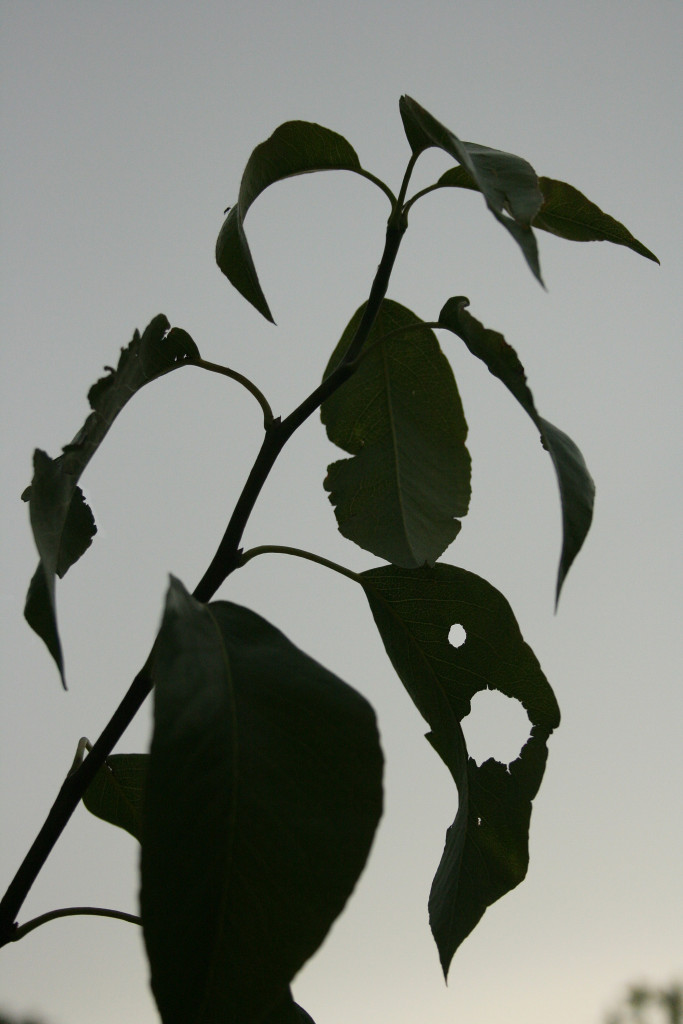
x=486, y=851
x=577, y=490
x=508, y=183
x=296, y=147
x=565, y=212
x=62, y=523
x=116, y=793
x=263, y=794
x=399, y=415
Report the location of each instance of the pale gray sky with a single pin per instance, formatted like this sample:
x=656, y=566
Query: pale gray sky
x=126, y=127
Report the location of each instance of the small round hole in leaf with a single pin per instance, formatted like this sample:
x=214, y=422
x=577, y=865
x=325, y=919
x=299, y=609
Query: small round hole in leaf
x=497, y=727
x=457, y=635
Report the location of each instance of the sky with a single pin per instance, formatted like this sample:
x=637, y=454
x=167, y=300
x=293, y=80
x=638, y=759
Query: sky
x=126, y=127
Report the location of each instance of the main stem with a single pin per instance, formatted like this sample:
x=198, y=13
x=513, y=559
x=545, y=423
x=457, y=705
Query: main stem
x=225, y=561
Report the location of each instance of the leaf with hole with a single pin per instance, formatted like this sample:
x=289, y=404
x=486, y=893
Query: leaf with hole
x=487, y=847
x=263, y=795
x=62, y=523
x=399, y=415
x=508, y=183
x=577, y=490
x=296, y=147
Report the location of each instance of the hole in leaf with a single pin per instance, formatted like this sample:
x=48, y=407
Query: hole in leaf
x=497, y=726
x=457, y=635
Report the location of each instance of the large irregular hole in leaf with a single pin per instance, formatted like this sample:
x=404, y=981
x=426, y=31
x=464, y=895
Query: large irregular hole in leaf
x=497, y=726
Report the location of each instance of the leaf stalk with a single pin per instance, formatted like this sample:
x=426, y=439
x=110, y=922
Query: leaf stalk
x=53, y=915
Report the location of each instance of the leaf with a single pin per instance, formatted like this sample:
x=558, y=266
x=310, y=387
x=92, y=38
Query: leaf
x=486, y=852
x=263, y=795
x=565, y=212
x=400, y=417
x=296, y=147
x=577, y=490
x=568, y=213
x=116, y=792
x=508, y=183
x=62, y=523
x=287, y=1012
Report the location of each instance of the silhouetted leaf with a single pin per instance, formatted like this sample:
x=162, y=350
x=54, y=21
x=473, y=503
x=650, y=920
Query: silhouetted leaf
x=568, y=213
x=287, y=1012
x=296, y=147
x=577, y=490
x=62, y=523
x=508, y=183
x=116, y=792
x=263, y=795
x=565, y=212
x=486, y=852
x=400, y=417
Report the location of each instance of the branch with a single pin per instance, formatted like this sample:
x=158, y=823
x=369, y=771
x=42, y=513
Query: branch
x=224, y=562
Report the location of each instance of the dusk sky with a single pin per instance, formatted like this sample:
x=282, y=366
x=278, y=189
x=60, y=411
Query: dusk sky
x=126, y=128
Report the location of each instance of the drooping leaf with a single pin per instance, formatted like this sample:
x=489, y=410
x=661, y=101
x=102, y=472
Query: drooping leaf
x=116, y=792
x=399, y=415
x=263, y=794
x=577, y=490
x=565, y=212
x=296, y=147
x=62, y=523
x=486, y=851
x=508, y=183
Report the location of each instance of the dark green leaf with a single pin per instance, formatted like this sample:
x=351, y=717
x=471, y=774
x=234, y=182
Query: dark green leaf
x=296, y=147
x=568, y=213
x=63, y=527
x=577, y=490
x=486, y=852
x=287, y=1012
x=263, y=795
x=400, y=417
x=116, y=792
x=565, y=212
x=62, y=523
x=508, y=183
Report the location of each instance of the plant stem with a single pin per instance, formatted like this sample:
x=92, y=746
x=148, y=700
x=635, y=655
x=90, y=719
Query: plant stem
x=244, y=381
x=68, y=798
x=224, y=562
x=226, y=559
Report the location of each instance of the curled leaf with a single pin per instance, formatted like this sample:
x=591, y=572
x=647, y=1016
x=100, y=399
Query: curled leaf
x=508, y=183
x=296, y=147
x=62, y=523
x=577, y=490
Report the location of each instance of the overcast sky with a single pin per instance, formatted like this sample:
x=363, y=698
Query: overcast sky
x=126, y=127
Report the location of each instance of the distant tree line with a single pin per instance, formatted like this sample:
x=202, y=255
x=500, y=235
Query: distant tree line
x=647, y=1004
